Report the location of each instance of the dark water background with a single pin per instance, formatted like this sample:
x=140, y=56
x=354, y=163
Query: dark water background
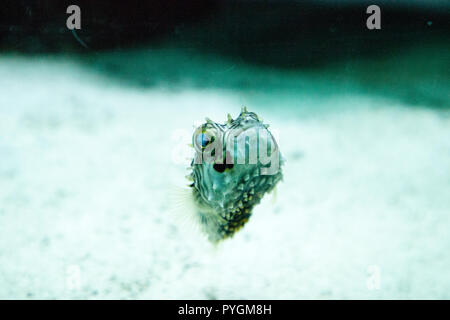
x=222, y=43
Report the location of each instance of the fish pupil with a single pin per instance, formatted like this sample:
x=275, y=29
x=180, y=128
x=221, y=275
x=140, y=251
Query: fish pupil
x=203, y=140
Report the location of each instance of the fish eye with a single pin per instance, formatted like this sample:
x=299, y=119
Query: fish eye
x=204, y=139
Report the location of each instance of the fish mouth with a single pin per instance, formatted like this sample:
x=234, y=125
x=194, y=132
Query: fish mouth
x=225, y=163
x=221, y=167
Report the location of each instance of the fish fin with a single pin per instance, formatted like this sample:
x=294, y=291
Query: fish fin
x=182, y=208
x=189, y=217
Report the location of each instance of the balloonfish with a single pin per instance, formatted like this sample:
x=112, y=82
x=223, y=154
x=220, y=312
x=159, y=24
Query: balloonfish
x=235, y=164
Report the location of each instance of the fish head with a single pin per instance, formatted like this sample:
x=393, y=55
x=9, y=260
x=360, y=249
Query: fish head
x=235, y=163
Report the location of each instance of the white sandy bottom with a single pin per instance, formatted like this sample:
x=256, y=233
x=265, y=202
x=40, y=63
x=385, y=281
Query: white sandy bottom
x=86, y=171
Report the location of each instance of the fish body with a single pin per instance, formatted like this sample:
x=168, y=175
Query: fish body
x=235, y=165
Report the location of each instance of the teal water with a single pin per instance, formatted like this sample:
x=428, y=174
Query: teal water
x=89, y=149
